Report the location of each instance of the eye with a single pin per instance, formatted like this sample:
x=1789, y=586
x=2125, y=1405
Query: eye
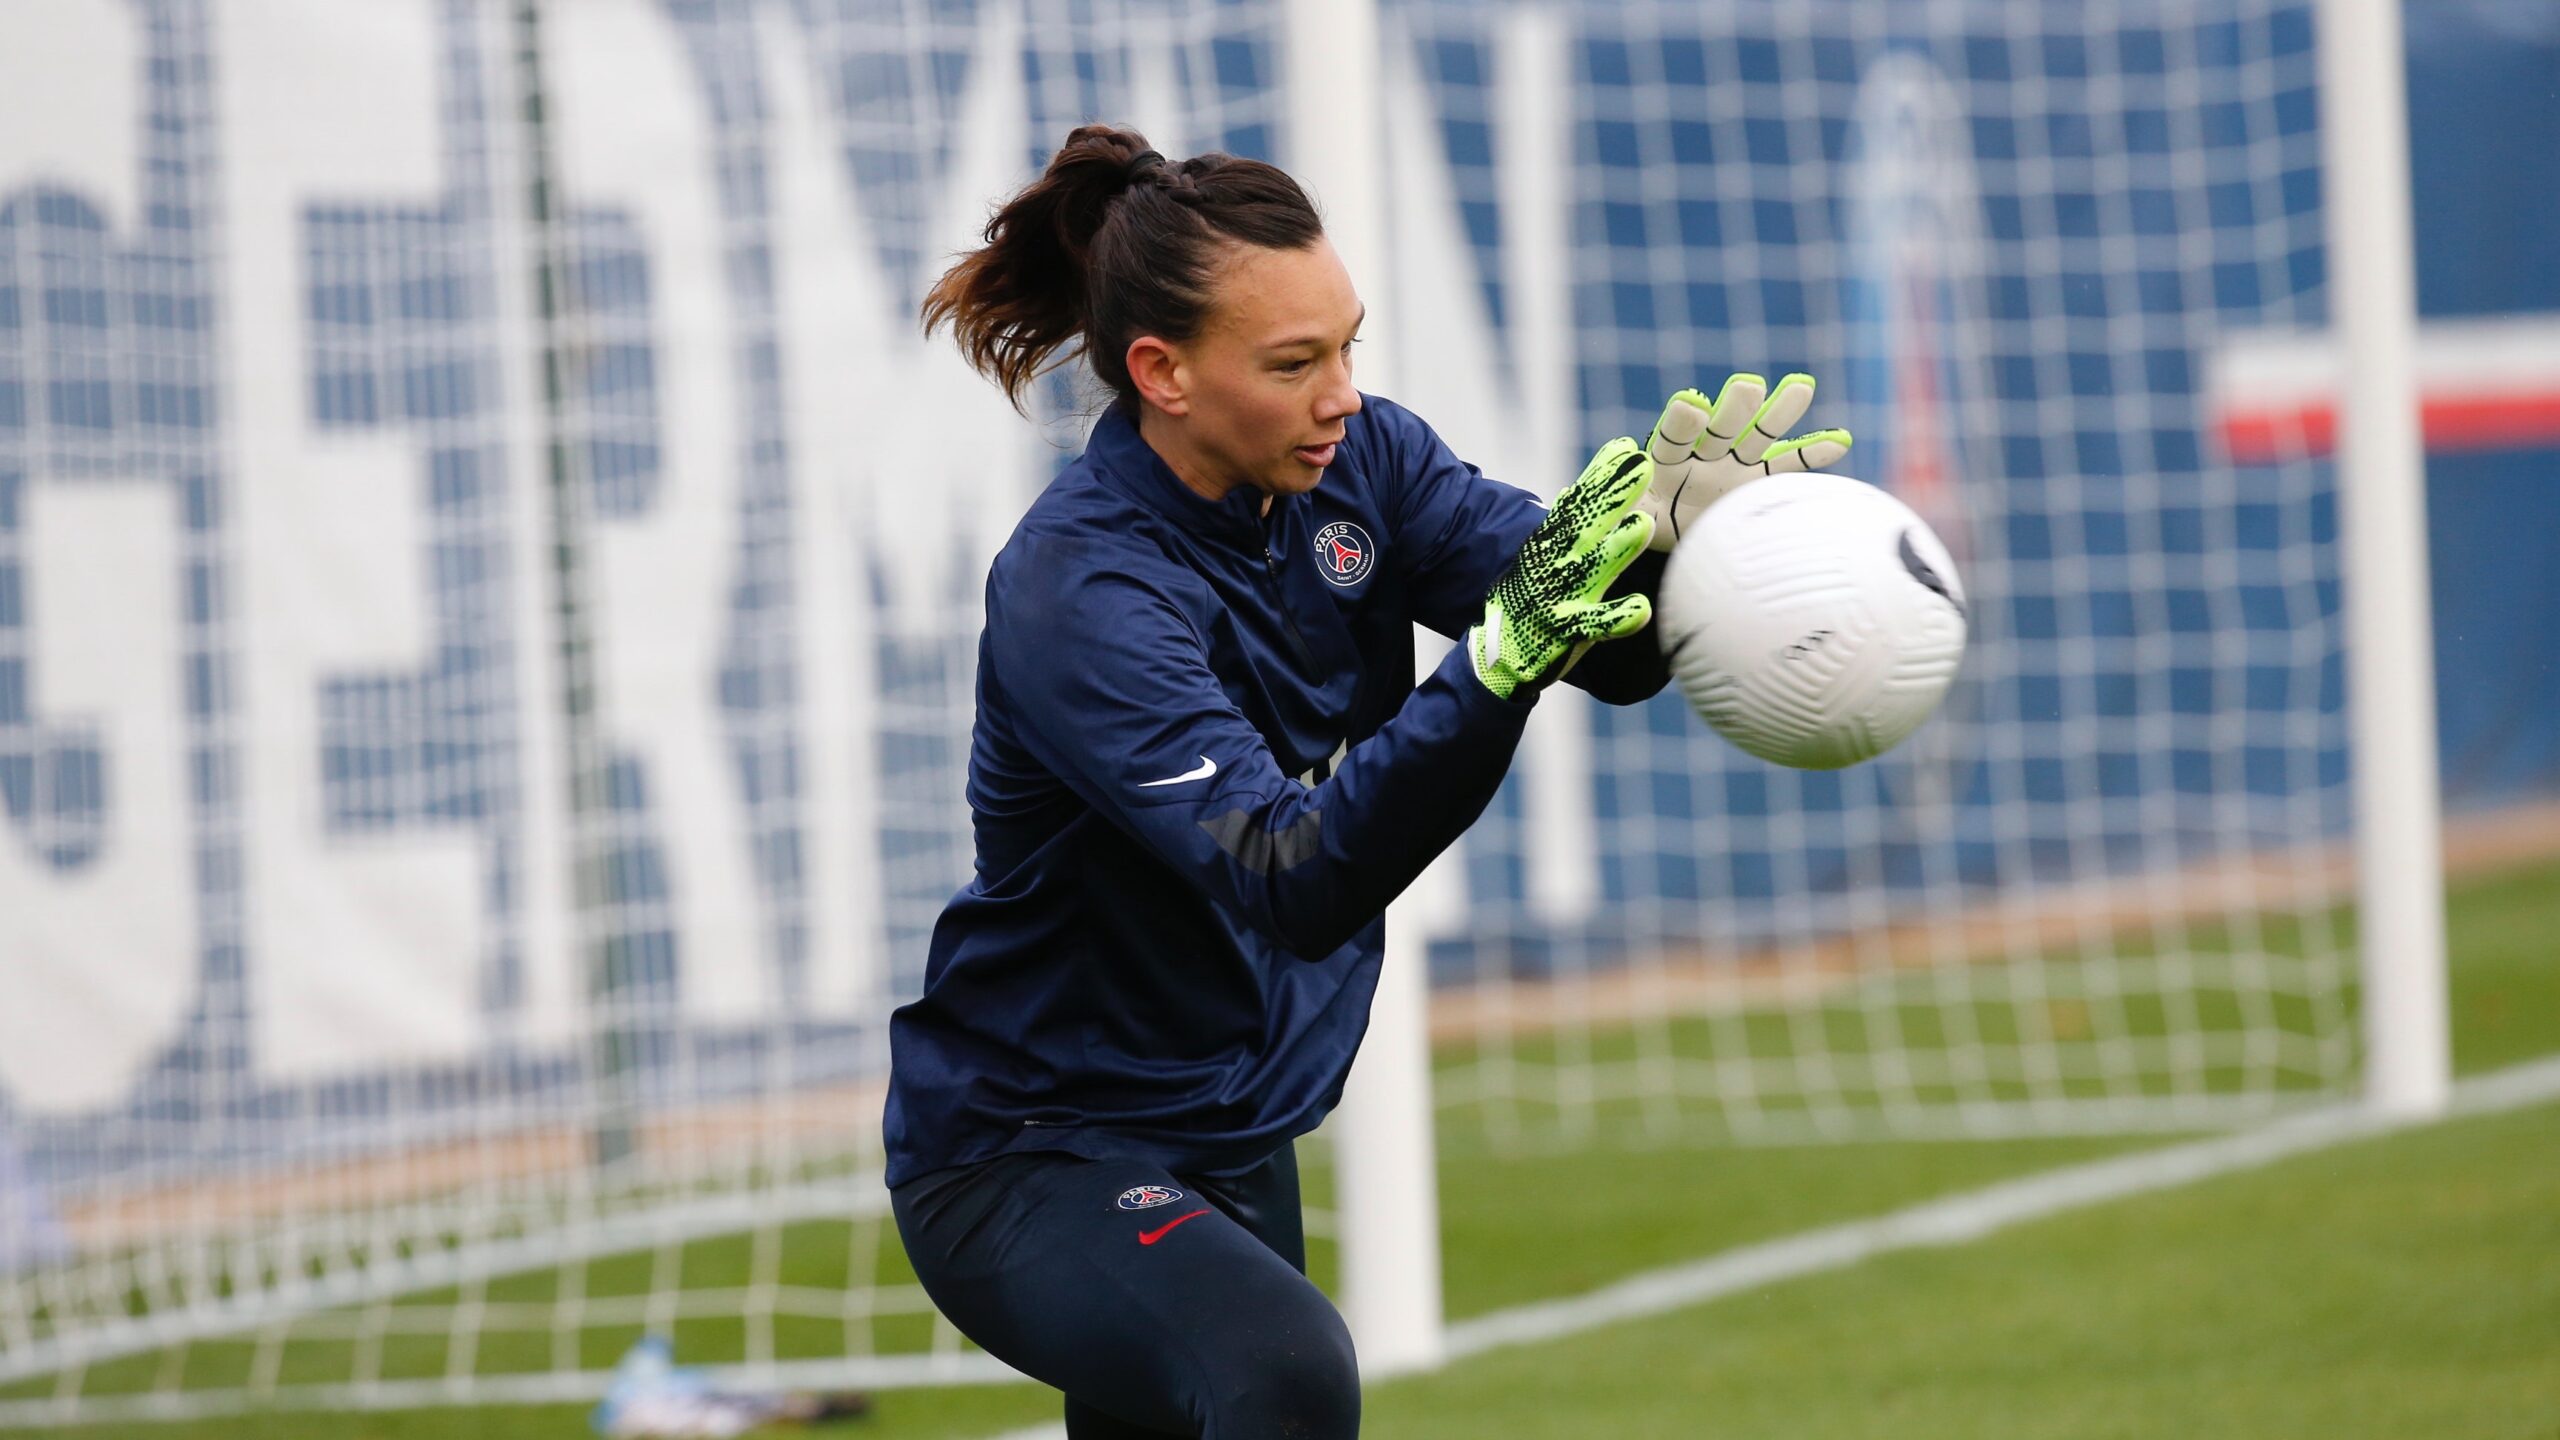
x=1292, y=367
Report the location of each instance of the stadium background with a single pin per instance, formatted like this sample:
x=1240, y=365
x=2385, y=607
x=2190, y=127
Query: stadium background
x=206, y=299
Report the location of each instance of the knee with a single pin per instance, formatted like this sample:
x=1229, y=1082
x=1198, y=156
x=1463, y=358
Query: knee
x=1302, y=1383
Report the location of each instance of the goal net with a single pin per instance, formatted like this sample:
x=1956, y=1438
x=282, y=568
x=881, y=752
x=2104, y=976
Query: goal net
x=2012, y=240
x=488, y=601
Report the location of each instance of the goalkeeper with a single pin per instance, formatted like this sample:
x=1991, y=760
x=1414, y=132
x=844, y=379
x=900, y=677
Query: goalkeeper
x=1201, y=768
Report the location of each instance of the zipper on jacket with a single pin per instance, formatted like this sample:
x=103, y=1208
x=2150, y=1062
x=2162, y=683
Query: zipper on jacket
x=1280, y=598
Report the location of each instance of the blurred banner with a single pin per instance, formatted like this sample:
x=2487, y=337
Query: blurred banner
x=286, y=844
x=330, y=638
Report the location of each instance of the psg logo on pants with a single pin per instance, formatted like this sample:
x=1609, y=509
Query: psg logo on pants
x=1147, y=1197
x=1343, y=549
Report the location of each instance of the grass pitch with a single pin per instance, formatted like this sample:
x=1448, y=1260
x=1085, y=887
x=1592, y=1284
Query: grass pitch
x=2394, y=1287
x=2399, y=1287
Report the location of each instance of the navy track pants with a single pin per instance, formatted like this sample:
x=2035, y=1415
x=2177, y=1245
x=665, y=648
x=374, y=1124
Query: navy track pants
x=1162, y=1304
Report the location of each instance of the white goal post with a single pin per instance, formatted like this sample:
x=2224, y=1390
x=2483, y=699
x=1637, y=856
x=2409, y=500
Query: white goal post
x=2383, y=500
x=1388, y=1223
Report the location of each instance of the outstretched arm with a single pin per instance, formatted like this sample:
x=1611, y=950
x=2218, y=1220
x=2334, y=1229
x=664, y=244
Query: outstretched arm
x=1115, y=697
x=1111, y=689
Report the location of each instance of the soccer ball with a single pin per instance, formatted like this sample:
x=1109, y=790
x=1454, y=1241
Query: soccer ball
x=1813, y=620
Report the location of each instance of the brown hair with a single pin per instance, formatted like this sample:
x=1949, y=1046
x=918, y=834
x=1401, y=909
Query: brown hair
x=1112, y=242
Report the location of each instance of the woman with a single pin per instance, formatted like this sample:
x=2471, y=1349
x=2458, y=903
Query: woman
x=1201, y=768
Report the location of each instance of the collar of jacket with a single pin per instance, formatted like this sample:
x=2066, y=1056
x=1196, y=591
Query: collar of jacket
x=1123, y=458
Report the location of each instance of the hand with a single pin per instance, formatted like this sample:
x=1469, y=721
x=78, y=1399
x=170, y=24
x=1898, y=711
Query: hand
x=1551, y=605
x=1700, y=451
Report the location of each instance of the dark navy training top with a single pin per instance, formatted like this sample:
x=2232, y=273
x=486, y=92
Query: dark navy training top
x=1201, y=768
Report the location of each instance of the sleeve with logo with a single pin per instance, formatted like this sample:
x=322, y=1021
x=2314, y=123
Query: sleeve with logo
x=1108, y=684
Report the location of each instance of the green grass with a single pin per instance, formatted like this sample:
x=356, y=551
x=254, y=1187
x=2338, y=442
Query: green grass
x=2503, y=936
x=2506, y=991
x=2401, y=1287
x=2212, y=1306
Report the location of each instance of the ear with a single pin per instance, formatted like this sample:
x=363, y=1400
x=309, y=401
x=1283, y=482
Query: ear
x=1162, y=378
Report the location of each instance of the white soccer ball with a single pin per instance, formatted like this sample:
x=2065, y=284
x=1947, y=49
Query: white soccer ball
x=1813, y=620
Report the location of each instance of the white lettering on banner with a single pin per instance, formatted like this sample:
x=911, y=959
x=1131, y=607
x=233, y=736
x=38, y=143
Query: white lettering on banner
x=949, y=466
x=98, y=956
x=1533, y=68
x=70, y=101
x=373, y=146
x=632, y=137
x=101, y=957
x=926, y=468
x=837, y=307
x=1521, y=427
x=1155, y=97
x=365, y=947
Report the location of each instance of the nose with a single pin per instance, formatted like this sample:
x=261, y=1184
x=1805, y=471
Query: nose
x=1340, y=399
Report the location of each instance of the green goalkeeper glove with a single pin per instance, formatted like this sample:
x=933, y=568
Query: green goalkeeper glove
x=1701, y=450
x=1551, y=605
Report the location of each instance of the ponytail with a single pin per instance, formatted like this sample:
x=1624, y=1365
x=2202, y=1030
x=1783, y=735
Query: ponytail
x=1110, y=243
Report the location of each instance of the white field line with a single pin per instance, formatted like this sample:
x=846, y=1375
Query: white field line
x=1958, y=1219
x=1977, y=1213
x=1950, y=1221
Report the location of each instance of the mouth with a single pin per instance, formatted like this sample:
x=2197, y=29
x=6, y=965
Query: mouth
x=1317, y=455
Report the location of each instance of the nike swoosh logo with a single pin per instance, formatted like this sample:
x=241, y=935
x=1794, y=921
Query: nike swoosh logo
x=1149, y=1237
x=1206, y=768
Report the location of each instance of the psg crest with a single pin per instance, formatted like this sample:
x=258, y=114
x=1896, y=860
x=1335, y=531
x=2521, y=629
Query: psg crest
x=1148, y=1197
x=1343, y=549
